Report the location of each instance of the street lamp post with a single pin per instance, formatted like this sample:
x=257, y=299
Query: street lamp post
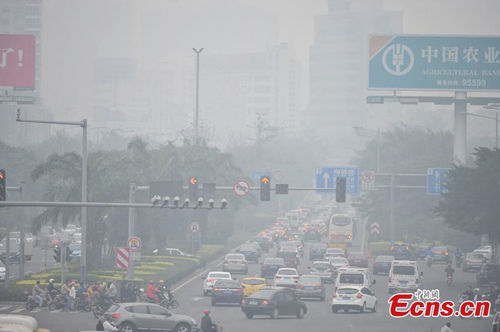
x=491, y=107
x=83, y=124
x=197, y=90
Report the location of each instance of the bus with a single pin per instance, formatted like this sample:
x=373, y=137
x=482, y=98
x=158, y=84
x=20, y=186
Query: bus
x=340, y=229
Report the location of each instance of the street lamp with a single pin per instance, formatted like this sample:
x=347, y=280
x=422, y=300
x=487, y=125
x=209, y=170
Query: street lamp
x=365, y=132
x=490, y=107
x=197, y=90
x=83, y=124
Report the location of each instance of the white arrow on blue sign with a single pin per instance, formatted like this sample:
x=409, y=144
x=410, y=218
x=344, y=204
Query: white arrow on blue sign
x=436, y=181
x=326, y=178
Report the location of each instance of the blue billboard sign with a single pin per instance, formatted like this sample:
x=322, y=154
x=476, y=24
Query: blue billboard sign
x=405, y=62
x=326, y=178
x=436, y=181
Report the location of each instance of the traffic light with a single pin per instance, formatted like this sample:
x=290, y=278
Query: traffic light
x=265, y=188
x=340, y=191
x=68, y=254
x=193, y=188
x=3, y=186
x=57, y=252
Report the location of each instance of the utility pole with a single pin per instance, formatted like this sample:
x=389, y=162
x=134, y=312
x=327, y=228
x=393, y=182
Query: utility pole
x=131, y=226
x=196, y=121
x=391, y=212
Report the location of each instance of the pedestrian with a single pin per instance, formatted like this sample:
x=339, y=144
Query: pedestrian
x=72, y=294
x=112, y=289
x=123, y=292
x=107, y=324
x=65, y=293
x=446, y=328
x=99, y=326
x=131, y=292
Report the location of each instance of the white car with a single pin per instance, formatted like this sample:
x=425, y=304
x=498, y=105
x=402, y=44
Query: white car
x=485, y=250
x=70, y=229
x=338, y=262
x=286, y=277
x=209, y=281
x=354, y=298
x=334, y=252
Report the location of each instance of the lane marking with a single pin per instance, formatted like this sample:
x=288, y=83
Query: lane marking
x=54, y=311
x=17, y=310
x=190, y=280
x=5, y=308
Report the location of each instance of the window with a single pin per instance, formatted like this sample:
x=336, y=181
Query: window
x=351, y=278
x=288, y=297
x=153, y=310
x=404, y=270
x=139, y=309
x=279, y=296
x=366, y=291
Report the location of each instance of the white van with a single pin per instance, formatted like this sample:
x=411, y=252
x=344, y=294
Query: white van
x=404, y=276
x=353, y=276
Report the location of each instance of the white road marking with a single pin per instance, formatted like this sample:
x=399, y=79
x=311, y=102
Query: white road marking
x=193, y=278
x=196, y=299
x=17, y=310
x=5, y=308
x=54, y=311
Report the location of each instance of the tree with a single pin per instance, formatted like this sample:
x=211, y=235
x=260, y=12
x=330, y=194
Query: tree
x=472, y=204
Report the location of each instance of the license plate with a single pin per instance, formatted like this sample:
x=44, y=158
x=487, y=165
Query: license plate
x=357, y=261
x=321, y=271
x=346, y=298
x=227, y=292
x=253, y=302
x=308, y=288
x=384, y=264
x=403, y=282
x=287, y=278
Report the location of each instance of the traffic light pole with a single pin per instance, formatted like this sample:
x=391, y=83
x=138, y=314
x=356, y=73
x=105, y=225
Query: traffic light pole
x=131, y=226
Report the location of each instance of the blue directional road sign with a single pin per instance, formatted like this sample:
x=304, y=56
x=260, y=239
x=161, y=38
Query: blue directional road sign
x=405, y=62
x=436, y=181
x=256, y=176
x=326, y=178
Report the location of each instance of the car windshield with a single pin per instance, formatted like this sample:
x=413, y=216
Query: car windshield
x=356, y=255
x=334, y=251
x=227, y=284
x=286, y=254
x=263, y=294
x=277, y=261
x=235, y=257
x=351, y=278
x=113, y=308
x=440, y=249
x=254, y=282
x=341, y=221
x=309, y=280
x=347, y=291
x=384, y=259
x=219, y=275
x=404, y=270
x=287, y=272
x=247, y=248
x=321, y=266
x=475, y=256
x=339, y=260
x=319, y=246
x=15, y=234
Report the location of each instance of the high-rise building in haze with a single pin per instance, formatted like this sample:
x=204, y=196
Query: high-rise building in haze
x=23, y=17
x=338, y=64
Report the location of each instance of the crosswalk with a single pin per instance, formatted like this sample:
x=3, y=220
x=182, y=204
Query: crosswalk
x=18, y=309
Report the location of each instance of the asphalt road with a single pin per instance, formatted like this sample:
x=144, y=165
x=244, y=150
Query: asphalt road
x=36, y=264
x=318, y=318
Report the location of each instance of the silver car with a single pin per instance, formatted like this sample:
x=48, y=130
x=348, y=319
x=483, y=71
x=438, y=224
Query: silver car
x=235, y=263
x=473, y=261
x=137, y=316
x=310, y=286
x=324, y=270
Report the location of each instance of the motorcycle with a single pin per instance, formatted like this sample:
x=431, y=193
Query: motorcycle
x=58, y=302
x=461, y=300
x=98, y=309
x=429, y=260
x=168, y=301
x=32, y=301
x=458, y=261
x=82, y=304
x=449, y=279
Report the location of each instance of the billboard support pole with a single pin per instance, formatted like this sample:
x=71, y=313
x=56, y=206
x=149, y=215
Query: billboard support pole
x=460, y=128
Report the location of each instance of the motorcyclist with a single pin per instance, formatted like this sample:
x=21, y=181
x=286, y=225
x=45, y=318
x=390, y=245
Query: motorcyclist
x=206, y=322
x=162, y=289
x=51, y=288
x=449, y=270
x=428, y=253
x=151, y=291
x=477, y=294
x=38, y=293
x=469, y=293
x=458, y=255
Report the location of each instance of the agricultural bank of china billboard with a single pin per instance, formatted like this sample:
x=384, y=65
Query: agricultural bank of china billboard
x=405, y=62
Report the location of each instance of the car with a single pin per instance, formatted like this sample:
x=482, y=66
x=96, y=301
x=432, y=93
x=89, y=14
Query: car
x=441, y=254
x=252, y=284
x=235, y=263
x=338, y=262
x=334, y=252
x=250, y=253
x=357, y=259
x=227, y=291
x=485, y=250
x=287, y=277
x=354, y=298
x=404, y=276
x=495, y=323
x=70, y=229
x=134, y=316
x=172, y=252
x=270, y=266
x=254, y=244
x=77, y=237
x=421, y=250
x=317, y=251
x=310, y=286
x=312, y=234
x=2, y=271
x=288, y=246
x=75, y=249
x=275, y=302
x=403, y=251
x=324, y=270
x=291, y=258
x=382, y=264
x=209, y=280
x=353, y=276
x=263, y=242
x=488, y=274
x=473, y=261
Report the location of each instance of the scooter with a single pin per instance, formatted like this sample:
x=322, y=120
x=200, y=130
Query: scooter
x=449, y=279
x=168, y=301
x=32, y=302
x=429, y=261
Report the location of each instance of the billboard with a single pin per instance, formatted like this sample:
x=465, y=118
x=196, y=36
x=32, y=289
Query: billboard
x=17, y=61
x=406, y=62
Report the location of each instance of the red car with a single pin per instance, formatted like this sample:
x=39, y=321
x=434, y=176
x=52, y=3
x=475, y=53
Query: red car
x=357, y=259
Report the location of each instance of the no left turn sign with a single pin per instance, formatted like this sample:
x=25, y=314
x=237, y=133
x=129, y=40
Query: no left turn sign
x=241, y=188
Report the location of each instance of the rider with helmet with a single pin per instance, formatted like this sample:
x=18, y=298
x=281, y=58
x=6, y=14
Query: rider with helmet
x=206, y=323
x=449, y=270
x=151, y=291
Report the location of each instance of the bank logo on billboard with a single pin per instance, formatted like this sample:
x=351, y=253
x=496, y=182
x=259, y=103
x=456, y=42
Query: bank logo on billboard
x=398, y=59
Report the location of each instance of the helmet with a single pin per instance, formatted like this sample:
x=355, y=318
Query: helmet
x=152, y=281
x=206, y=311
x=51, y=280
x=477, y=290
x=161, y=281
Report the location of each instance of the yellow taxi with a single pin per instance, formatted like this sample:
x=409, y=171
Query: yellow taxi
x=252, y=284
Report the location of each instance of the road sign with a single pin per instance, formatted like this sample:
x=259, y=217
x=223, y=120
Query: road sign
x=17, y=99
x=374, y=228
x=256, y=176
x=405, y=62
x=281, y=189
x=194, y=227
x=17, y=66
x=122, y=257
x=326, y=178
x=279, y=176
x=241, y=188
x=134, y=243
x=436, y=181
x=135, y=256
x=368, y=180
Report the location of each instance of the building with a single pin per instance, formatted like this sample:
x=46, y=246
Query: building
x=338, y=64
